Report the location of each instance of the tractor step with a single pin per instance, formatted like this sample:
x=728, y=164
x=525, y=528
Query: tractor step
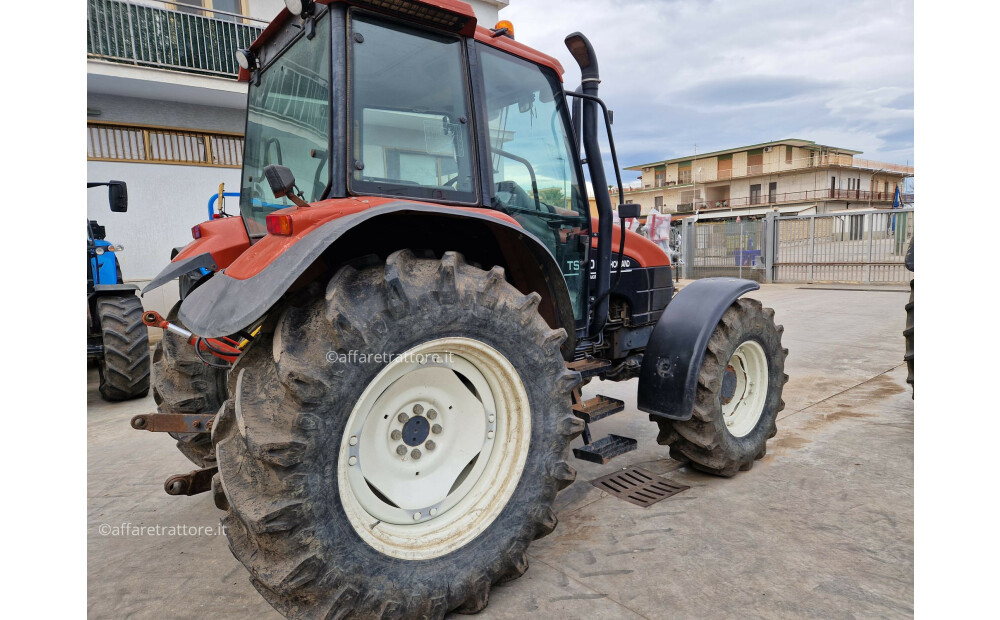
x=597, y=408
x=605, y=449
x=589, y=367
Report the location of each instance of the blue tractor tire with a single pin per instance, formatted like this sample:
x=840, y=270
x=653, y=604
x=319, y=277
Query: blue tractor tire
x=124, y=368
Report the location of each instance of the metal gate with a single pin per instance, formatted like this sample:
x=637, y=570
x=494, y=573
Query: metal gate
x=862, y=247
x=857, y=247
x=726, y=248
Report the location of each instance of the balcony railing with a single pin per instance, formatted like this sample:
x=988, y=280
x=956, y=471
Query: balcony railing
x=852, y=195
x=710, y=175
x=127, y=32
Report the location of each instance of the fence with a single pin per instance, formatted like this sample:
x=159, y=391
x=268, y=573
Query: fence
x=727, y=248
x=864, y=247
x=128, y=32
x=858, y=247
x=162, y=145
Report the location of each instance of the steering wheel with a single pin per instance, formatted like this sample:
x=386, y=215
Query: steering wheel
x=452, y=181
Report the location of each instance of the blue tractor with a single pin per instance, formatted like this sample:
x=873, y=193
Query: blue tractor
x=116, y=336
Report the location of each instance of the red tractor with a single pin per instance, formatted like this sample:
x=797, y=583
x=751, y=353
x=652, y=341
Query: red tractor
x=381, y=374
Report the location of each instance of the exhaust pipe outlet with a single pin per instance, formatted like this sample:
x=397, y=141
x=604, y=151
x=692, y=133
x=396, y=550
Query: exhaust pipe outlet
x=583, y=53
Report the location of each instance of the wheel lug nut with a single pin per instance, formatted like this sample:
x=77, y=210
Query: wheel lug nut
x=353, y=441
x=489, y=435
x=401, y=450
x=352, y=461
x=415, y=454
x=436, y=429
x=431, y=414
x=396, y=435
x=416, y=516
x=493, y=417
x=418, y=409
x=430, y=445
x=433, y=511
x=402, y=417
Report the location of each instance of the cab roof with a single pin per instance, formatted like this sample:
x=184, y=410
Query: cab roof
x=470, y=28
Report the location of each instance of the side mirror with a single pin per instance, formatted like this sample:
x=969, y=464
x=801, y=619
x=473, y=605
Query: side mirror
x=629, y=210
x=118, y=196
x=282, y=183
x=281, y=180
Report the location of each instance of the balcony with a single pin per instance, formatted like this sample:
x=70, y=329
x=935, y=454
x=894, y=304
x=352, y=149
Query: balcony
x=122, y=31
x=852, y=195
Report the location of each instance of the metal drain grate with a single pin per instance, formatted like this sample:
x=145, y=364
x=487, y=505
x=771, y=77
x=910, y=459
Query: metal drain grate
x=638, y=486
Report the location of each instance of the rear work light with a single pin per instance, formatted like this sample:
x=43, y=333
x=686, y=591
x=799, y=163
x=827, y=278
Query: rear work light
x=279, y=224
x=418, y=11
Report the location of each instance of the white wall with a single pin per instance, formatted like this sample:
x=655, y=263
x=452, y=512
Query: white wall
x=129, y=110
x=165, y=201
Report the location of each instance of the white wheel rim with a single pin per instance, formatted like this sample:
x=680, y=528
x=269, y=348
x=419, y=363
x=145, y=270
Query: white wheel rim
x=744, y=388
x=434, y=498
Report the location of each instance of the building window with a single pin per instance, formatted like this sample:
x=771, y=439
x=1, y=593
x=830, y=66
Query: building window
x=684, y=173
x=658, y=201
x=886, y=187
x=660, y=177
x=772, y=191
x=788, y=154
x=162, y=145
x=755, y=194
x=755, y=161
x=725, y=167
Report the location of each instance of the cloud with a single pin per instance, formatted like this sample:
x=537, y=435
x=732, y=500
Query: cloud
x=718, y=74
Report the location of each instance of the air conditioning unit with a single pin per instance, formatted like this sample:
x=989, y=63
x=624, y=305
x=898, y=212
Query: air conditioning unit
x=767, y=149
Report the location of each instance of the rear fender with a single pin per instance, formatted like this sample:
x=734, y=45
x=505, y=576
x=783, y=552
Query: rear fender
x=225, y=304
x=668, y=380
x=222, y=241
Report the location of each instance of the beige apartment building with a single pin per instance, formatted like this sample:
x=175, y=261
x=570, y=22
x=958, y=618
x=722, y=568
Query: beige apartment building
x=790, y=176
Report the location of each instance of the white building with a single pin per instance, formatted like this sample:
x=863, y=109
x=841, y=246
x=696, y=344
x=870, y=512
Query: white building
x=166, y=115
x=791, y=176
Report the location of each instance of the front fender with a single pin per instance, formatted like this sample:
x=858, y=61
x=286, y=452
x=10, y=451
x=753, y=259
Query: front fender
x=225, y=304
x=668, y=379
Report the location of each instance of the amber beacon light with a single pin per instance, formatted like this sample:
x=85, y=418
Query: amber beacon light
x=504, y=27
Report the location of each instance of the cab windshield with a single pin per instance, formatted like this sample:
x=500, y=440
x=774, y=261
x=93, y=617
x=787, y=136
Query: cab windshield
x=288, y=123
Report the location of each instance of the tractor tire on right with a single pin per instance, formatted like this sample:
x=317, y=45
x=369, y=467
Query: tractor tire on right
x=908, y=336
x=739, y=394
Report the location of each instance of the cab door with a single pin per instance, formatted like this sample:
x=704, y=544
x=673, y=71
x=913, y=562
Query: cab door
x=535, y=173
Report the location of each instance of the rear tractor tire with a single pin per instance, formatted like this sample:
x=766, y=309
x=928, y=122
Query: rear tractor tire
x=394, y=446
x=124, y=369
x=182, y=383
x=739, y=394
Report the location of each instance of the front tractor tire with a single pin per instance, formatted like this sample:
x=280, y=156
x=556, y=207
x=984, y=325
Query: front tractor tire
x=739, y=394
x=183, y=383
x=124, y=368
x=394, y=446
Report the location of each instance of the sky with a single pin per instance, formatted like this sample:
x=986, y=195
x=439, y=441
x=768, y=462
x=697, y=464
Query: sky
x=704, y=75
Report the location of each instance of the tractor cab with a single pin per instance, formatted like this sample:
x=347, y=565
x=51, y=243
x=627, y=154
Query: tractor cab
x=373, y=104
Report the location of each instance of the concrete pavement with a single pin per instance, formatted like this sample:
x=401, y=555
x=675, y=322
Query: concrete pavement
x=821, y=527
